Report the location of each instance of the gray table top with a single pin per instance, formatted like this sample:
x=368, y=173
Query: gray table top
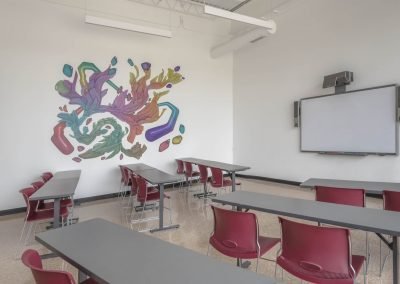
x=214, y=164
x=62, y=184
x=155, y=176
x=366, y=219
x=373, y=187
x=68, y=174
x=138, y=167
x=114, y=254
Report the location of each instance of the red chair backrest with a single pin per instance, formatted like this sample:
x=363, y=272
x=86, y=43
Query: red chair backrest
x=47, y=176
x=134, y=185
x=391, y=200
x=188, y=169
x=125, y=172
x=217, y=177
x=180, y=169
x=31, y=259
x=203, y=173
x=345, y=196
x=141, y=189
x=235, y=229
x=315, y=248
x=30, y=204
x=37, y=184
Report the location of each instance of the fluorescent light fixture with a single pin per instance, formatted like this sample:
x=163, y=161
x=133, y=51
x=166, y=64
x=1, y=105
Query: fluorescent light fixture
x=127, y=26
x=270, y=25
x=238, y=42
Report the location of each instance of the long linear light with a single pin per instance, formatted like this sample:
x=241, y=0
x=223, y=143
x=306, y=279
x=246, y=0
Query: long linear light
x=270, y=25
x=127, y=26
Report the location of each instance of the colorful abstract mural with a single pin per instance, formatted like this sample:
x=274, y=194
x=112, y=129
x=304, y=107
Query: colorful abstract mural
x=103, y=122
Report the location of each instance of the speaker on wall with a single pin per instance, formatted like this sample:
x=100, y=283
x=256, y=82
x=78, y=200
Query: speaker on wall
x=296, y=113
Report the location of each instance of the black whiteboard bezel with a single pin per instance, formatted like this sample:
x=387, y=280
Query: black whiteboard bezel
x=396, y=153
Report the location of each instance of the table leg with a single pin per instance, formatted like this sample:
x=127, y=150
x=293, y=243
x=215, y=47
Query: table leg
x=233, y=182
x=56, y=221
x=395, y=252
x=161, y=213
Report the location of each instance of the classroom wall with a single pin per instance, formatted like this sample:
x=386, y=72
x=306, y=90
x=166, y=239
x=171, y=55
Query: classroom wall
x=314, y=38
x=39, y=36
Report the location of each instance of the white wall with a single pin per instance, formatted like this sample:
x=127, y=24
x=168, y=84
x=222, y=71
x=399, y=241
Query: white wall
x=39, y=37
x=314, y=38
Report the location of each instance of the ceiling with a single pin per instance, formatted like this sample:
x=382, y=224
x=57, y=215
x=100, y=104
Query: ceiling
x=231, y=5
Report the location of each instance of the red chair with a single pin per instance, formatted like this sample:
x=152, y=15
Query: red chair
x=31, y=259
x=46, y=176
x=189, y=173
x=34, y=216
x=318, y=254
x=37, y=184
x=345, y=196
x=147, y=195
x=125, y=181
x=236, y=234
x=218, y=181
x=203, y=179
x=391, y=202
x=180, y=170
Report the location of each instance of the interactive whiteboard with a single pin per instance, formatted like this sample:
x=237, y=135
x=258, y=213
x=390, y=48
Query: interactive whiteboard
x=355, y=122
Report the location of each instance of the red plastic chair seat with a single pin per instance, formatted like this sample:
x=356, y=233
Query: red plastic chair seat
x=45, y=214
x=229, y=249
x=31, y=259
x=228, y=182
x=318, y=254
x=321, y=276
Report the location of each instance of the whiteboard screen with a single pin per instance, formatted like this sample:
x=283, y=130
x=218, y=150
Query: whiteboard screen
x=361, y=121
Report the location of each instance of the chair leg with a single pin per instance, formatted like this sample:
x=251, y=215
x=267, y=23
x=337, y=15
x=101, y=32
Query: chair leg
x=257, y=264
x=367, y=253
x=170, y=211
x=17, y=251
x=28, y=234
x=365, y=271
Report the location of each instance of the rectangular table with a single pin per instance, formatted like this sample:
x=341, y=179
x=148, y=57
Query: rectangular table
x=156, y=176
x=110, y=253
x=366, y=219
x=371, y=187
x=61, y=185
x=230, y=168
x=139, y=167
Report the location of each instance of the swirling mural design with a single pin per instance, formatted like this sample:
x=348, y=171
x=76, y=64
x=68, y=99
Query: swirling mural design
x=122, y=120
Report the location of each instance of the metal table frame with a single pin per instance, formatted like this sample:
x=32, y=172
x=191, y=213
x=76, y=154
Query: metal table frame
x=111, y=253
x=230, y=168
x=161, y=178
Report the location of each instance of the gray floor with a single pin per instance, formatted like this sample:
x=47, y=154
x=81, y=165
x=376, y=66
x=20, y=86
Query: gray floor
x=195, y=218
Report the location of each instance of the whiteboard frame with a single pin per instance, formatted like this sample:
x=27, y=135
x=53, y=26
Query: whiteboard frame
x=397, y=88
